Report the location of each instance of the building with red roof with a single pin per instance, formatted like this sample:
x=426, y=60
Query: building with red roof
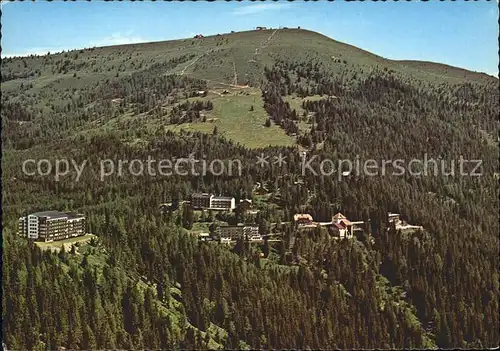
x=341, y=226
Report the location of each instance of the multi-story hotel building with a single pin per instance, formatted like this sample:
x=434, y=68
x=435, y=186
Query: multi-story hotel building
x=52, y=225
x=222, y=203
x=234, y=232
x=205, y=200
x=199, y=201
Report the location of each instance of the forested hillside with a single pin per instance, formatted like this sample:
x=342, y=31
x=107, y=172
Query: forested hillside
x=148, y=282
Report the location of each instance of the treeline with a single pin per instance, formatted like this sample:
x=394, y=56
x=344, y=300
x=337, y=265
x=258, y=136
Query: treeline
x=136, y=238
x=141, y=92
x=6, y=76
x=265, y=307
x=189, y=112
x=385, y=117
x=60, y=300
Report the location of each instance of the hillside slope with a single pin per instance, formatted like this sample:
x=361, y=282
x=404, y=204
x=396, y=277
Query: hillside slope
x=234, y=61
x=213, y=58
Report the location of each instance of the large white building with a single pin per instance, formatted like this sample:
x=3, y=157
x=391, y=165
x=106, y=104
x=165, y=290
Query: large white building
x=222, y=203
x=52, y=225
x=234, y=232
x=208, y=201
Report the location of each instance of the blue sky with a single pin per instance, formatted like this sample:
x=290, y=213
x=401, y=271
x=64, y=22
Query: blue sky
x=462, y=34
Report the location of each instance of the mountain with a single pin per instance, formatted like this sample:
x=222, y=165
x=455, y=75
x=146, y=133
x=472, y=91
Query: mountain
x=241, y=48
x=148, y=282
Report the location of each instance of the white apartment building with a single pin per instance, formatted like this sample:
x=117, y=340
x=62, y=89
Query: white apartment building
x=234, y=232
x=52, y=225
x=208, y=201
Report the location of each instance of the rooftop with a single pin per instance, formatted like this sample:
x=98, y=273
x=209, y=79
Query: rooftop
x=226, y=198
x=339, y=216
x=201, y=195
x=57, y=214
x=345, y=222
x=239, y=225
x=339, y=225
x=302, y=216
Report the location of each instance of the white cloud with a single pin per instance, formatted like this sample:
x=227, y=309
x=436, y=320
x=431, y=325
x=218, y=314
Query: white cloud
x=259, y=8
x=118, y=39
x=113, y=39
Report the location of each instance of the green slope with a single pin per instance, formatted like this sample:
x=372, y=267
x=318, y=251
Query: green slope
x=49, y=83
x=213, y=58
